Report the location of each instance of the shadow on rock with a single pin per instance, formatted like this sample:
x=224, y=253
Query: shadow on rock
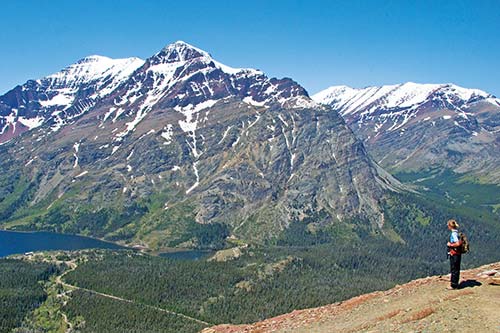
x=469, y=284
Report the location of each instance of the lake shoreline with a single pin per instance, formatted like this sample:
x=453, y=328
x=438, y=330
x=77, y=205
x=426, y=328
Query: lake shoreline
x=130, y=247
x=166, y=252
x=18, y=242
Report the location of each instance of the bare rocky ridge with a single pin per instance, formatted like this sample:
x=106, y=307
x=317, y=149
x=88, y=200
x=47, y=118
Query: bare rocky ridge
x=422, y=305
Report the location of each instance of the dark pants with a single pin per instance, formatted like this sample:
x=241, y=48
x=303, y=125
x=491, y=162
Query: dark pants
x=455, y=270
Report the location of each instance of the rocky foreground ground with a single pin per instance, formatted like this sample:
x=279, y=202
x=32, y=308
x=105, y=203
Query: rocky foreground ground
x=423, y=305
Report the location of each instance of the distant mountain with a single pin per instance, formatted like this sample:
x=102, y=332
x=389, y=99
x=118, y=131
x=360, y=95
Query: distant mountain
x=177, y=150
x=415, y=127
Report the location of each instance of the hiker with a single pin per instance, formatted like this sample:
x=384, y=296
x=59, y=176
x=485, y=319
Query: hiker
x=455, y=254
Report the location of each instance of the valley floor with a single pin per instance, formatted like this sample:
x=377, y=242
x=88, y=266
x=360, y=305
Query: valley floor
x=423, y=305
x=72, y=288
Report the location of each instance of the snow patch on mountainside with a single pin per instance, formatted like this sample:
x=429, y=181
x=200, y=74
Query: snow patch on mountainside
x=190, y=124
x=64, y=97
x=251, y=101
x=31, y=122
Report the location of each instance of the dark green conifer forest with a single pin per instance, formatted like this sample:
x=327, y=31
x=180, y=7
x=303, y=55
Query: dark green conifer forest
x=20, y=290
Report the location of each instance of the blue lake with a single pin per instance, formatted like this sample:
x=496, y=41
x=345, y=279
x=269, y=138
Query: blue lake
x=21, y=242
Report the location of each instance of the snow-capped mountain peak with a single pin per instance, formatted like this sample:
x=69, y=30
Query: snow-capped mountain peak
x=62, y=96
x=180, y=51
x=186, y=79
x=92, y=68
x=182, y=74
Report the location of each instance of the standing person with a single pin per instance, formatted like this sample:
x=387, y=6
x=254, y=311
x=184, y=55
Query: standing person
x=454, y=244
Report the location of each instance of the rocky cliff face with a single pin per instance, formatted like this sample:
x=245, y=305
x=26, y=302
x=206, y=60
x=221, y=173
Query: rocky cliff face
x=145, y=151
x=417, y=127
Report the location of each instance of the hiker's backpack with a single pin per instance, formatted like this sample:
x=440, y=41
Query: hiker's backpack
x=464, y=248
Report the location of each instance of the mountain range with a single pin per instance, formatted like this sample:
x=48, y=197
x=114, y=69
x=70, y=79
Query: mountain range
x=151, y=151
x=181, y=150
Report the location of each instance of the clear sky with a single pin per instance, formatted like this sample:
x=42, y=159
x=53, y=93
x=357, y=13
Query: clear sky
x=317, y=43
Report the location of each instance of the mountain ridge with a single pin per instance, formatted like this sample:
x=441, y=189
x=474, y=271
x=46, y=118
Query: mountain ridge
x=341, y=95
x=422, y=304
x=69, y=92
x=419, y=127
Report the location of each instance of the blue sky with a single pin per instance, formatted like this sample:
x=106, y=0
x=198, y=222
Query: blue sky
x=317, y=43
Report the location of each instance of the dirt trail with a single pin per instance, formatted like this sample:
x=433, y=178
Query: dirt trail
x=143, y=304
x=422, y=305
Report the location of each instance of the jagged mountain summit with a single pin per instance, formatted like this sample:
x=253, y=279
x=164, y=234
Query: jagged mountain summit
x=414, y=127
x=178, y=148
